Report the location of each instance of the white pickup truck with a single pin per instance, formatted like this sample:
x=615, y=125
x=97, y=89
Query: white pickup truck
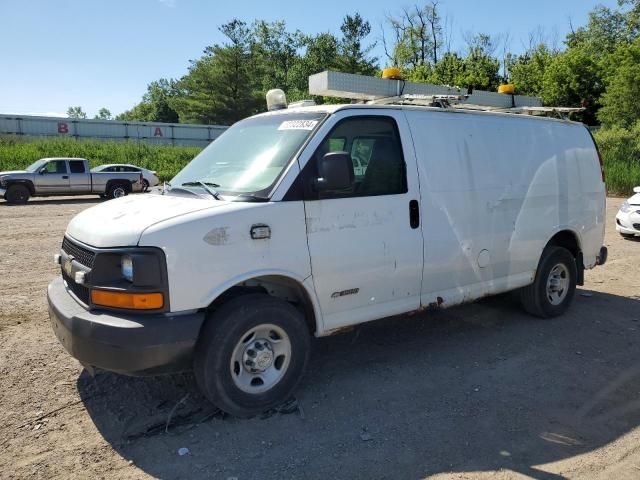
x=306, y=221
x=65, y=176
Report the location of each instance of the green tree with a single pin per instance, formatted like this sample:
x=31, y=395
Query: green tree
x=621, y=100
x=156, y=104
x=481, y=68
x=223, y=86
x=354, y=57
x=450, y=70
x=320, y=53
x=76, y=112
x=527, y=70
x=278, y=52
x=574, y=79
x=103, y=114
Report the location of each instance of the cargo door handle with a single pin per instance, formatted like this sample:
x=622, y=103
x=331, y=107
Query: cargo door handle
x=414, y=214
x=65, y=177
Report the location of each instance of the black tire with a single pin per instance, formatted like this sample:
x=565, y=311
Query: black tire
x=223, y=334
x=117, y=190
x=536, y=299
x=627, y=235
x=17, y=194
x=145, y=185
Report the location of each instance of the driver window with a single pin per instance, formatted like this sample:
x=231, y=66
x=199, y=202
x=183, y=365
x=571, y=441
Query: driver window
x=376, y=155
x=55, y=166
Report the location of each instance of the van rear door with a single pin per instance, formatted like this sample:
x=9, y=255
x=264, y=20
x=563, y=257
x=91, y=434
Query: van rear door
x=365, y=242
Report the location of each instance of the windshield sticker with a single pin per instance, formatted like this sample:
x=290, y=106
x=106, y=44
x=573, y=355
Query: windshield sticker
x=298, y=125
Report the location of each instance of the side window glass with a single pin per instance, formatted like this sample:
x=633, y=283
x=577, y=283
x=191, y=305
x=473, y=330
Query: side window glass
x=376, y=154
x=56, y=166
x=361, y=150
x=76, y=166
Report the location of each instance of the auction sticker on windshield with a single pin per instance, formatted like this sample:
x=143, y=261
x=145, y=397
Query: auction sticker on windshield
x=298, y=125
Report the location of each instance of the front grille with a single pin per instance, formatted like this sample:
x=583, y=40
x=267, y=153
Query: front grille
x=80, y=254
x=79, y=291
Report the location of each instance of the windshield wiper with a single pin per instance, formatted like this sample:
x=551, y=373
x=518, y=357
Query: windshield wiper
x=206, y=185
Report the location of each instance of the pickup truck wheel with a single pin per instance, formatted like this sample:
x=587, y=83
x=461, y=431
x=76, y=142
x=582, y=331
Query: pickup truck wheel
x=553, y=289
x=117, y=191
x=17, y=194
x=251, y=354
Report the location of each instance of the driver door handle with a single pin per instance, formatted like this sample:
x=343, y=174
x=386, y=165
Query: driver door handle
x=65, y=177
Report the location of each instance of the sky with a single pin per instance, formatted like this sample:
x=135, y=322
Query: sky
x=103, y=53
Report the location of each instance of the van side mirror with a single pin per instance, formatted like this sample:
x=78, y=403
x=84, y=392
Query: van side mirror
x=336, y=171
x=636, y=190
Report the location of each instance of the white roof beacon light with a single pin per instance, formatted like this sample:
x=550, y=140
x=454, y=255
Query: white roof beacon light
x=276, y=99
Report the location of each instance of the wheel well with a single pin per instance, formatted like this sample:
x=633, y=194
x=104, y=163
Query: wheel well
x=567, y=239
x=115, y=183
x=277, y=286
x=26, y=183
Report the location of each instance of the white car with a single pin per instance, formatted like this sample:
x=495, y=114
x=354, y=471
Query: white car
x=149, y=177
x=269, y=237
x=628, y=217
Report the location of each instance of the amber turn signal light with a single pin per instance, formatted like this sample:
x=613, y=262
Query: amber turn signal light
x=131, y=301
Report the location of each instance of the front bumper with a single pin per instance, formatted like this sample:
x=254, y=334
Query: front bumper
x=132, y=344
x=627, y=223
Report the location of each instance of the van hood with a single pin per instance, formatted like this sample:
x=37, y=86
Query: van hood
x=120, y=222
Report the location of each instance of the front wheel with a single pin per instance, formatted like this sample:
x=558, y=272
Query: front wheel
x=17, y=194
x=251, y=354
x=554, y=286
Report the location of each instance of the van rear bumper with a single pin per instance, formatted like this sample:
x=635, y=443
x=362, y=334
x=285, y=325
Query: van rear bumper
x=128, y=344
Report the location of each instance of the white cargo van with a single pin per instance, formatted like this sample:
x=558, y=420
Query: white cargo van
x=304, y=221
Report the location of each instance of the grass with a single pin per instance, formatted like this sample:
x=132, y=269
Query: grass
x=17, y=153
x=620, y=150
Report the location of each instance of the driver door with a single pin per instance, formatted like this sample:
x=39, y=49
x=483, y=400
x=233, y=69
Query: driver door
x=53, y=177
x=365, y=247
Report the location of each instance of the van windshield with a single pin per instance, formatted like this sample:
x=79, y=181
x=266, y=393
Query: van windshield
x=250, y=156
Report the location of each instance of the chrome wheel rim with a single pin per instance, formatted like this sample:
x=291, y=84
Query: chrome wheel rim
x=260, y=359
x=119, y=192
x=557, y=284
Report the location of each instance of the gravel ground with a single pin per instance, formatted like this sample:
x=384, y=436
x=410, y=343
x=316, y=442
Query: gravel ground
x=479, y=391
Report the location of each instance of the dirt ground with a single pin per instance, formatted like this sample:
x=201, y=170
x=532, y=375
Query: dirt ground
x=479, y=391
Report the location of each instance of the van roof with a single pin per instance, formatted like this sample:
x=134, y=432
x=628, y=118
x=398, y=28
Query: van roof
x=363, y=106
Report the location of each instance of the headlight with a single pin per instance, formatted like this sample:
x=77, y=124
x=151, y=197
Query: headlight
x=127, y=267
x=625, y=207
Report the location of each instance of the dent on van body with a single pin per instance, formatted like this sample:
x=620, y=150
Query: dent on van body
x=220, y=251
x=508, y=201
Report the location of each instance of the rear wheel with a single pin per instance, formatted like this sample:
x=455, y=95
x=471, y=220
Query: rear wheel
x=117, y=190
x=252, y=354
x=17, y=194
x=553, y=289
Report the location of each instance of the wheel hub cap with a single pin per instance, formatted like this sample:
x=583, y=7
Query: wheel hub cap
x=258, y=356
x=260, y=359
x=557, y=284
